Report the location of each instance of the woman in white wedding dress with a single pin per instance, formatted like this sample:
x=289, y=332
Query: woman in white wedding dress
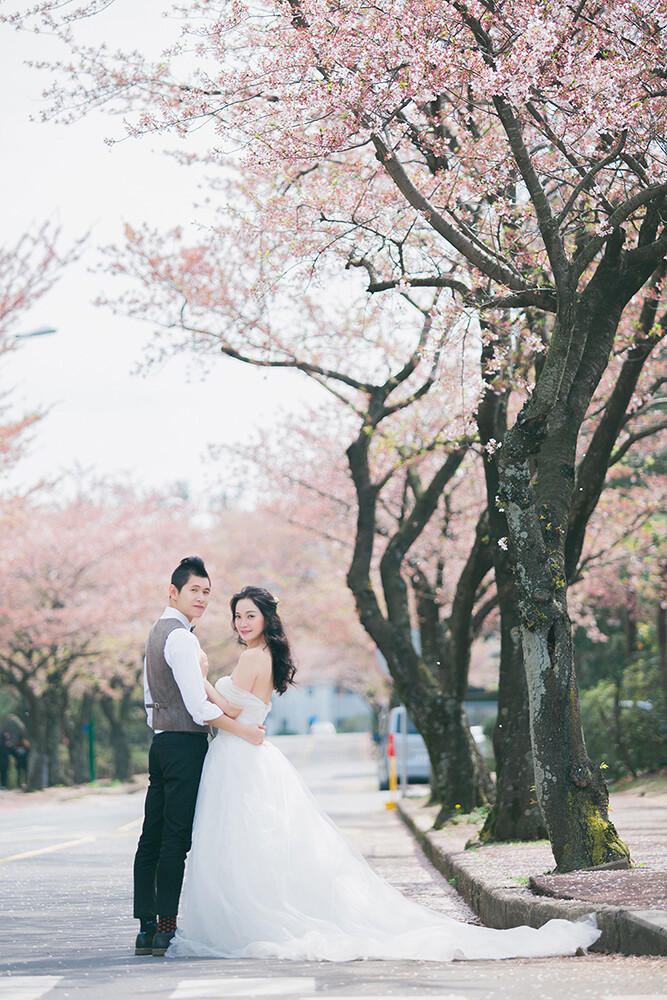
x=270, y=875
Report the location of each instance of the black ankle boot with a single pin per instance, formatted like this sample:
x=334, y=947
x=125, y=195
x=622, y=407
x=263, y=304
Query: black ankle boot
x=144, y=943
x=161, y=942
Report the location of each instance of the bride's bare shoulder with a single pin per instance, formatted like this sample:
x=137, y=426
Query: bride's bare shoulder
x=256, y=656
x=254, y=664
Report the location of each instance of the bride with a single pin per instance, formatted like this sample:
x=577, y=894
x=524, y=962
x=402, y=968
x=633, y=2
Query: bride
x=270, y=875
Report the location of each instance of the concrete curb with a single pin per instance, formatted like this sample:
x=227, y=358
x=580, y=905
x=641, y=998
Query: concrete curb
x=500, y=902
x=16, y=798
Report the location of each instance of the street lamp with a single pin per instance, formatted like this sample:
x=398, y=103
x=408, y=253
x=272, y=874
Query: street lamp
x=41, y=332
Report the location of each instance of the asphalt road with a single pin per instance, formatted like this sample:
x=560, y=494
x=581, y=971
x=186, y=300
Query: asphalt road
x=65, y=930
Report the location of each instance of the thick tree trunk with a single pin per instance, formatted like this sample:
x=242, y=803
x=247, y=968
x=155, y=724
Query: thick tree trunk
x=460, y=771
x=511, y=738
x=515, y=814
x=78, y=758
x=122, y=756
x=55, y=772
x=661, y=628
x=54, y=700
x=78, y=741
x=38, y=760
x=37, y=736
x=569, y=787
x=460, y=777
x=537, y=475
x=116, y=712
x=463, y=773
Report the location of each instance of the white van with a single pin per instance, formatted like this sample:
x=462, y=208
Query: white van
x=417, y=764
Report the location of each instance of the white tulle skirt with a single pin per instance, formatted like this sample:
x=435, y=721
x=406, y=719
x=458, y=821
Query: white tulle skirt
x=269, y=875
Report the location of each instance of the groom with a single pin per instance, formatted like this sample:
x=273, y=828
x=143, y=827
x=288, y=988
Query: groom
x=180, y=714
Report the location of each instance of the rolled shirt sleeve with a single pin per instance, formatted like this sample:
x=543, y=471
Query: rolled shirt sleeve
x=182, y=651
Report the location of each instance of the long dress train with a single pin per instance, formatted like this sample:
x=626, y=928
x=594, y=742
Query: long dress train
x=270, y=875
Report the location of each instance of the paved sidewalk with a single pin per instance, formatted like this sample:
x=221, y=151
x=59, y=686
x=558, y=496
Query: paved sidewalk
x=499, y=881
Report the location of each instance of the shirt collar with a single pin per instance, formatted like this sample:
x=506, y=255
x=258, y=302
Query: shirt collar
x=170, y=612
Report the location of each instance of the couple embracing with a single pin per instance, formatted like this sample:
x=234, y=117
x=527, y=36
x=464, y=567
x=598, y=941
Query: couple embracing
x=269, y=875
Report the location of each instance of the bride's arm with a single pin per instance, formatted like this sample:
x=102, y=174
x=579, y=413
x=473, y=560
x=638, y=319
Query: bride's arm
x=213, y=695
x=252, y=733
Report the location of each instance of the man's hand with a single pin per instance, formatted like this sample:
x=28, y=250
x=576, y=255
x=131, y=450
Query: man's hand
x=253, y=734
x=203, y=664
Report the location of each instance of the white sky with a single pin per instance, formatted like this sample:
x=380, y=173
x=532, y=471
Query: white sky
x=101, y=415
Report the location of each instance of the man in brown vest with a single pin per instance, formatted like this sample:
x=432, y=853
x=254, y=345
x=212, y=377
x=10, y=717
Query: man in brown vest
x=180, y=714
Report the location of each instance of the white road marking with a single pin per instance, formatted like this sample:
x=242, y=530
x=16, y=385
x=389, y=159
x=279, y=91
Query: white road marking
x=634, y=996
x=211, y=989
x=26, y=987
x=134, y=825
x=46, y=850
x=121, y=831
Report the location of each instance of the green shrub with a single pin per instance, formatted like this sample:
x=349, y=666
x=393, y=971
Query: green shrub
x=622, y=720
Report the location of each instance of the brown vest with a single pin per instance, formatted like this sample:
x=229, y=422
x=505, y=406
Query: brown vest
x=169, y=711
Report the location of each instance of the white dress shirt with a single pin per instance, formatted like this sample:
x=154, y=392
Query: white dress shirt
x=182, y=651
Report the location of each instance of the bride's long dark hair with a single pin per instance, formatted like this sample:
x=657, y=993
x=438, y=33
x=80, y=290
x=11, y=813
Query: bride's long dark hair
x=284, y=667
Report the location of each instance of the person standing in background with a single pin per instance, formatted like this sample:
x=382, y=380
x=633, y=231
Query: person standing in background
x=21, y=753
x=5, y=752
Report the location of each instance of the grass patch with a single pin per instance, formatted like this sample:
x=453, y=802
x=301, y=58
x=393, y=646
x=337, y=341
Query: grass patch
x=477, y=815
x=652, y=783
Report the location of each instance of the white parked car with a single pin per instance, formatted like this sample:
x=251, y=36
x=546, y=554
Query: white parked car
x=418, y=766
x=322, y=728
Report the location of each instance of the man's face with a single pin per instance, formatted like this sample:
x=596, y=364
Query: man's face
x=193, y=597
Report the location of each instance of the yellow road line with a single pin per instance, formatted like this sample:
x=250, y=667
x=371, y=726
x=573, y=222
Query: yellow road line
x=47, y=850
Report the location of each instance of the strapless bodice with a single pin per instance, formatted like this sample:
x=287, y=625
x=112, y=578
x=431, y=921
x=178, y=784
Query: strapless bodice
x=253, y=709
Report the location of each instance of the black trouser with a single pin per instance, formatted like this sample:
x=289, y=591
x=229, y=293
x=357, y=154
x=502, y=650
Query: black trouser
x=175, y=762
x=21, y=761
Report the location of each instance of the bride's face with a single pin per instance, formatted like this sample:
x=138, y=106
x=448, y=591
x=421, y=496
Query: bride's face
x=249, y=621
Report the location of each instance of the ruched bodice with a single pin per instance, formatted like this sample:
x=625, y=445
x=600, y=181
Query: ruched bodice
x=253, y=709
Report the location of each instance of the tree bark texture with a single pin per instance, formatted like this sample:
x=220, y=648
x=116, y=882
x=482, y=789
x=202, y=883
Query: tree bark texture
x=515, y=814
x=77, y=739
x=117, y=712
x=570, y=789
x=460, y=776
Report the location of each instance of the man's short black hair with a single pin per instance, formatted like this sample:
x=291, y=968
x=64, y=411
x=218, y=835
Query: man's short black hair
x=190, y=566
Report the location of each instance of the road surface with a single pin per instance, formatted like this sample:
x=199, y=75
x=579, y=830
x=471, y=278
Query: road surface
x=65, y=927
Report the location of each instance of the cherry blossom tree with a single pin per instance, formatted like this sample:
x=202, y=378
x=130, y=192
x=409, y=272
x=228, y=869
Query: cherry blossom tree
x=86, y=577
x=225, y=296
x=511, y=154
x=255, y=546
x=28, y=269
x=80, y=576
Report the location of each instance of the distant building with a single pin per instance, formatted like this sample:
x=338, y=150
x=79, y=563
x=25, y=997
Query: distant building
x=300, y=706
